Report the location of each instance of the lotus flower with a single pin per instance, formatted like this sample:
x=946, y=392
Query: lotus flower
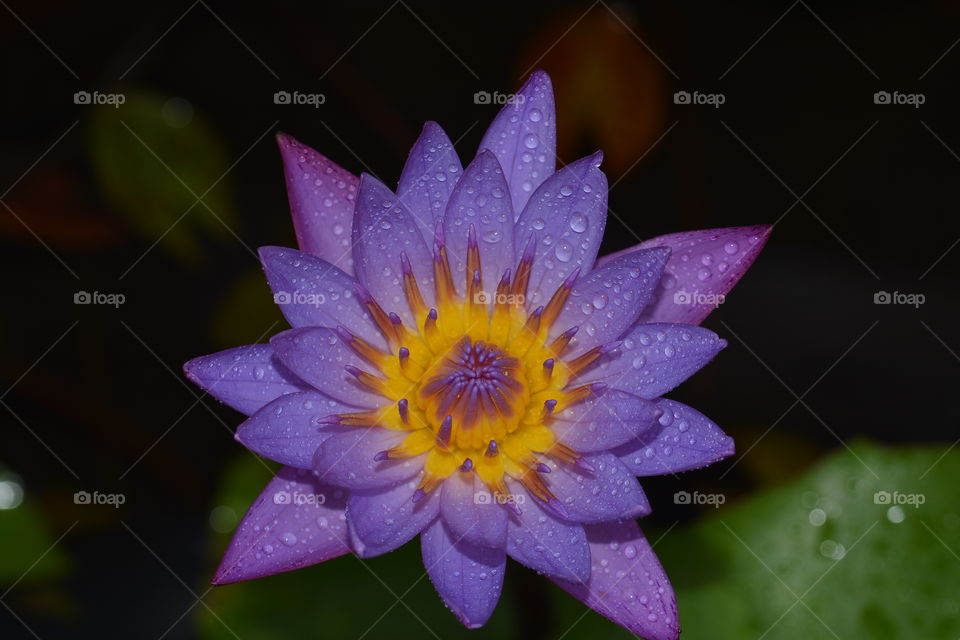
x=462, y=367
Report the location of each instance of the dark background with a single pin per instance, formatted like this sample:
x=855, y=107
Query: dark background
x=863, y=197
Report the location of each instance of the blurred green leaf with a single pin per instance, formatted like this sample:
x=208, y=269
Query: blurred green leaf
x=341, y=598
x=863, y=566
x=26, y=537
x=247, y=312
x=152, y=168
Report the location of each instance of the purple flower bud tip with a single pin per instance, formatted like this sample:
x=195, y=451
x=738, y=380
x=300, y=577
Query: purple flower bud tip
x=542, y=468
x=467, y=465
x=344, y=335
x=417, y=496
x=432, y=314
x=352, y=370
x=598, y=387
x=610, y=346
x=513, y=506
x=394, y=318
x=550, y=405
x=404, y=353
x=492, y=449
x=572, y=331
x=381, y=456
x=583, y=464
x=333, y=419
x=558, y=508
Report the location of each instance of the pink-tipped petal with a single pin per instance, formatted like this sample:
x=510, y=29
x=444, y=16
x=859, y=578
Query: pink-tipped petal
x=322, y=196
x=296, y=521
x=703, y=268
x=524, y=137
x=627, y=583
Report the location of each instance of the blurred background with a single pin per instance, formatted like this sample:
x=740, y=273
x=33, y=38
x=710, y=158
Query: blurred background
x=139, y=168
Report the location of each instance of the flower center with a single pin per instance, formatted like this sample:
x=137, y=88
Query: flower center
x=480, y=386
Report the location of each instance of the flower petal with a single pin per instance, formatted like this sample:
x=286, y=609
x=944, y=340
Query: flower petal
x=702, y=269
x=603, y=421
x=566, y=217
x=322, y=196
x=289, y=429
x=627, y=583
x=683, y=439
x=347, y=459
x=384, y=519
x=244, y=378
x=428, y=177
x=480, y=199
x=318, y=356
x=469, y=515
x=655, y=358
x=608, y=300
x=296, y=521
x=384, y=229
x=313, y=293
x=610, y=492
x=538, y=539
x=524, y=137
x=468, y=577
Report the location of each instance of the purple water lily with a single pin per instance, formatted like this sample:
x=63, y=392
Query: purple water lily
x=462, y=367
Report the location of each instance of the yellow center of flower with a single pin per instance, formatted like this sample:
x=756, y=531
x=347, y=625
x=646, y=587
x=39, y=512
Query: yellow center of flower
x=476, y=382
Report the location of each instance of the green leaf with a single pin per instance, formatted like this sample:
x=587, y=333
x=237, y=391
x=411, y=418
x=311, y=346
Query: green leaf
x=26, y=538
x=827, y=556
x=152, y=169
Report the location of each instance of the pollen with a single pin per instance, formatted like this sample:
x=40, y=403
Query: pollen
x=475, y=382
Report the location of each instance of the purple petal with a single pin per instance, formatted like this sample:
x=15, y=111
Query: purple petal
x=469, y=514
x=683, y=439
x=628, y=584
x=524, y=137
x=313, y=293
x=244, y=378
x=655, y=358
x=608, y=300
x=538, y=539
x=347, y=459
x=384, y=229
x=428, y=177
x=383, y=520
x=468, y=577
x=604, y=421
x=702, y=269
x=566, y=216
x=322, y=196
x=480, y=199
x=295, y=522
x=610, y=492
x=289, y=429
x=318, y=356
